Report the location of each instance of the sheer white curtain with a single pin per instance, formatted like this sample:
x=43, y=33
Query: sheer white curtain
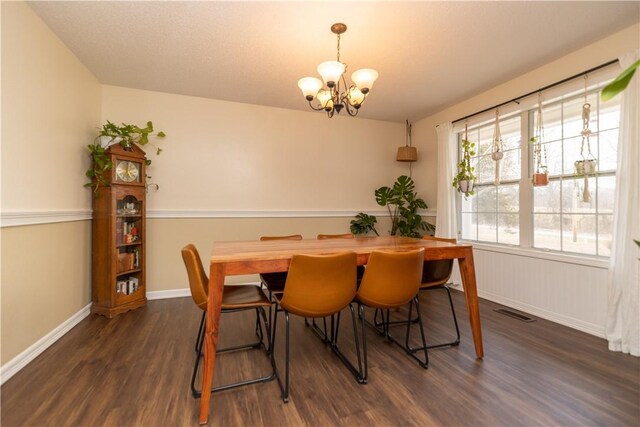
x=446, y=215
x=623, y=308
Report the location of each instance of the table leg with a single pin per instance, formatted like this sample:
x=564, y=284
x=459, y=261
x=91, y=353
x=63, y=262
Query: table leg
x=216, y=285
x=468, y=273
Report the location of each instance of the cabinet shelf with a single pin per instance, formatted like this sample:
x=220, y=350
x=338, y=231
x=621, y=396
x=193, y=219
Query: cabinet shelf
x=124, y=245
x=128, y=216
x=124, y=273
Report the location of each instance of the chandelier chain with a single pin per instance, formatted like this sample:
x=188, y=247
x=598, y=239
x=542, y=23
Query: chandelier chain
x=338, y=47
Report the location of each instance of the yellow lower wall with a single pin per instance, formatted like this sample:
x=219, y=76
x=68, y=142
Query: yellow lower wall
x=167, y=236
x=46, y=279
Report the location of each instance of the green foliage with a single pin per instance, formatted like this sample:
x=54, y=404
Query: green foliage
x=466, y=172
x=126, y=135
x=363, y=224
x=403, y=203
x=620, y=83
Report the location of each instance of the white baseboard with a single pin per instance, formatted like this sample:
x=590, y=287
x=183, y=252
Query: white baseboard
x=173, y=293
x=13, y=366
x=589, y=328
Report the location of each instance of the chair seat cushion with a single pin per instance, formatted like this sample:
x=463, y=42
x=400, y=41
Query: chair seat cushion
x=243, y=296
x=436, y=273
x=274, y=282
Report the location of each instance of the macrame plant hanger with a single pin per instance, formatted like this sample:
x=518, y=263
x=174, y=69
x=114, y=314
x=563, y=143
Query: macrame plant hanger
x=587, y=164
x=540, y=176
x=496, y=148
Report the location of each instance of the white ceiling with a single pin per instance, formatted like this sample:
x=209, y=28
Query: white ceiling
x=429, y=54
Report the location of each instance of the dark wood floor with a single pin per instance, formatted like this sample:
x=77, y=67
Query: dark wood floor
x=134, y=370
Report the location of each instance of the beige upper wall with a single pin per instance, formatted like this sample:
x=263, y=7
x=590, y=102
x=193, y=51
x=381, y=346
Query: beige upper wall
x=221, y=155
x=50, y=109
x=424, y=131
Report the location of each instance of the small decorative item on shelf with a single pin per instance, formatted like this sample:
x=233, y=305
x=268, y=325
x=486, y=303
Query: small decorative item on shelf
x=465, y=180
x=496, y=148
x=541, y=175
x=587, y=165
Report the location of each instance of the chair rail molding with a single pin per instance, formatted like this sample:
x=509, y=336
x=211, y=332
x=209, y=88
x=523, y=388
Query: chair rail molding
x=152, y=213
x=20, y=218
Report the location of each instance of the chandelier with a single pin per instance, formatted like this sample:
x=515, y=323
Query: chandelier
x=337, y=94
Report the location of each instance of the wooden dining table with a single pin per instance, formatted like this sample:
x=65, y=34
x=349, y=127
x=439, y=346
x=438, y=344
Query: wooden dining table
x=252, y=257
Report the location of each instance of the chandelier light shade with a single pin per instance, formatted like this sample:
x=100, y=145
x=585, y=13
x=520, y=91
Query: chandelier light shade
x=332, y=93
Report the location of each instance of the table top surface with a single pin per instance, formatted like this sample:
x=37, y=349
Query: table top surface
x=284, y=249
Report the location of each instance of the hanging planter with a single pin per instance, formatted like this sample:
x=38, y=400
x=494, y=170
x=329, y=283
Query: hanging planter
x=465, y=179
x=407, y=153
x=496, y=148
x=466, y=186
x=587, y=164
x=540, y=176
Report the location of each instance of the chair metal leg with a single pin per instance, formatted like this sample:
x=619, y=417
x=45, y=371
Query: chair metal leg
x=324, y=335
x=357, y=373
x=200, y=330
x=273, y=360
x=385, y=324
x=377, y=324
x=365, y=373
x=285, y=394
x=424, y=363
x=455, y=324
x=259, y=311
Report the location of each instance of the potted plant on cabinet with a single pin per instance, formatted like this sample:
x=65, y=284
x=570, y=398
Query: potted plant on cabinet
x=127, y=136
x=465, y=180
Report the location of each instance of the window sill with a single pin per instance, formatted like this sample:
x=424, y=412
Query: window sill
x=597, y=262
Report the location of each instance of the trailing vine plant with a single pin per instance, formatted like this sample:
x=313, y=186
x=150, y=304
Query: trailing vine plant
x=466, y=172
x=126, y=135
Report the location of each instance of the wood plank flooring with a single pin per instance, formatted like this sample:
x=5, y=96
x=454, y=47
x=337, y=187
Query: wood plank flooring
x=134, y=370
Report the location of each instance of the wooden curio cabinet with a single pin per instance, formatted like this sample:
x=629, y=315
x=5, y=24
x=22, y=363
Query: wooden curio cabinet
x=119, y=235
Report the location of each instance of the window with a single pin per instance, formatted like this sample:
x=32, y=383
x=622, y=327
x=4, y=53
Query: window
x=492, y=214
x=552, y=217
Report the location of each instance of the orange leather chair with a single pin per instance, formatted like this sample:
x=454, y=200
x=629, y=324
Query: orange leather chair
x=318, y=286
x=234, y=298
x=359, y=274
x=274, y=282
x=391, y=280
x=435, y=275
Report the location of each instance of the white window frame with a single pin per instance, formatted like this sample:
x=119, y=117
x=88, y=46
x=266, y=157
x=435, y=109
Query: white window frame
x=526, y=199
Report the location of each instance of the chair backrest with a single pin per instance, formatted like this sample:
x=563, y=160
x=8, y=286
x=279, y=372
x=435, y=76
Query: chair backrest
x=391, y=279
x=198, y=280
x=320, y=285
x=290, y=237
x=436, y=273
x=335, y=236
